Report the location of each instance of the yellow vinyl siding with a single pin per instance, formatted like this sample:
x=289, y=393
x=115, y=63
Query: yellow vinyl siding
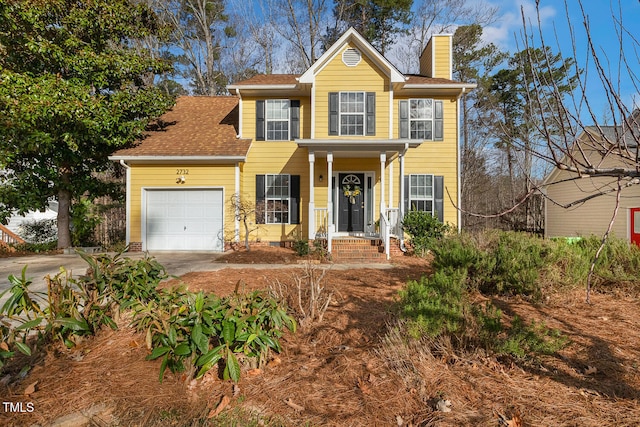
x=436, y=157
x=435, y=60
x=273, y=157
x=442, y=52
x=364, y=77
x=164, y=176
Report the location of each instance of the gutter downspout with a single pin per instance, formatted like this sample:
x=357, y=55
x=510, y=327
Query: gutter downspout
x=127, y=203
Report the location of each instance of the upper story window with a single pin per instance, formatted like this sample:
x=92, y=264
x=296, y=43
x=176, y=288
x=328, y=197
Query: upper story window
x=352, y=113
x=277, y=119
x=421, y=118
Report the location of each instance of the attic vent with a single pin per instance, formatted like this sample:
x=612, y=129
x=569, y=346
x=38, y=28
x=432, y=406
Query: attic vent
x=351, y=57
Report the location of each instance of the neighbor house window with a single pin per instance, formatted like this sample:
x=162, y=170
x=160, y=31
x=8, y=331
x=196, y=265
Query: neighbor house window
x=277, y=199
x=421, y=118
x=277, y=119
x=352, y=113
x=421, y=193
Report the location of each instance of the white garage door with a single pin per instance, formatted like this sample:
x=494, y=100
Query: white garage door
x=178, y=220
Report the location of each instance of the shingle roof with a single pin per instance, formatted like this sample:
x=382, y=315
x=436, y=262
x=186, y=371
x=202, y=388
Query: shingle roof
x=279, y=79
x=417, y=79
x=270, y=79
x=196, y=126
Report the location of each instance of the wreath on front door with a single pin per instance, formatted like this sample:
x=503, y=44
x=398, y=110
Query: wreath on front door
x=351, y=194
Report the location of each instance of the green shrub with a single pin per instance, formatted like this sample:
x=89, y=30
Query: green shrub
x=301, y=247
x=424, y=229
x=435, y=304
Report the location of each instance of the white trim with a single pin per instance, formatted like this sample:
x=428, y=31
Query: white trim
x=263, y=87
x=458, y=166
x=391, y=107
x=313, y=111
x=440, y=86
x=240, y=108
x=172, y=159
x=351, y=36
x=127, y=203
x=236, y=225
x=336, y=196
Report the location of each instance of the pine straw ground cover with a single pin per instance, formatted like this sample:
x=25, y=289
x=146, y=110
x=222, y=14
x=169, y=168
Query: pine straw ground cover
x=355, y=369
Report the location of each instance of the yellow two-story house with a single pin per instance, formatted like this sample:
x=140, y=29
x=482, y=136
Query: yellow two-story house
x=343, y=149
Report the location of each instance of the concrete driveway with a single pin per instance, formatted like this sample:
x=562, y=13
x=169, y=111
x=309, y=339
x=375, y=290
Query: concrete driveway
x=39, y=266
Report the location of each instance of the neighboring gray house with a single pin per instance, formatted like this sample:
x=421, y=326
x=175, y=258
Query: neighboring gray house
x=592, y=217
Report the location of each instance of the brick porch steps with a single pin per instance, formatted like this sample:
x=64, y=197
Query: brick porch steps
x=355, y=250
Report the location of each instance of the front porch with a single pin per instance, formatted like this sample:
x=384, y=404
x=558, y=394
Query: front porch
x=362, y=197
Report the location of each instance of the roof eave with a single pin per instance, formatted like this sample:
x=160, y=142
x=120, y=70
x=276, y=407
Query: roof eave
x=178, y=158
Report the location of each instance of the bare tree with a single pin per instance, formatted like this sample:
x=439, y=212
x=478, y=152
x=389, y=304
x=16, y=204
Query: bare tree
x=438, y=16
x=244, y=210
x=607, y=155
x=198, y=28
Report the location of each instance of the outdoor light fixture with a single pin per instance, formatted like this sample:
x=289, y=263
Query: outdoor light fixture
x=320, y=178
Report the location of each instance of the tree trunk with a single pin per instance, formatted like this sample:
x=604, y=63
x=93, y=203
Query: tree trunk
x=64, y=214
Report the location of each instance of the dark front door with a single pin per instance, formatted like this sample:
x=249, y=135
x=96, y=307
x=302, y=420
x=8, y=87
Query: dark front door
x=351, y=202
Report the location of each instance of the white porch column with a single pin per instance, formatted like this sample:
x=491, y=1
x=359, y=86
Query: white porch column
x=390, y=201
x=383, y=161
x=330, y=190
x=312, y=213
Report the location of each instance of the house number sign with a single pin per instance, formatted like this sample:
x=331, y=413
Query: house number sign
x=182, y=171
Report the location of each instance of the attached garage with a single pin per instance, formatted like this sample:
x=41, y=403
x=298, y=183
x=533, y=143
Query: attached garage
x=183, y=219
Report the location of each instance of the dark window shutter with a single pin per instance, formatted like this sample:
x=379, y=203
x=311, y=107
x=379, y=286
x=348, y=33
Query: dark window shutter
x=404, y=119
x=294, y=200
x=438, y=132
x=295, y=119
x=260, y=196
x=260, y=120
x=333, y=113
x=438, y=197
x=407, y=207
x=371, y=113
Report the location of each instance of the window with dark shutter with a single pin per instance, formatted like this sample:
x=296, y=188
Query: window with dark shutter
x=371, y=113
x=277, y=199
x=404, y=119
x=334, y=113
x=260, y=134
x=295, y=119
x=424, y=192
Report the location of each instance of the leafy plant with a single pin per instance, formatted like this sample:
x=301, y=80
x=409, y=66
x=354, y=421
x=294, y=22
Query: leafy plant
x=424, y=229
x=301, y=247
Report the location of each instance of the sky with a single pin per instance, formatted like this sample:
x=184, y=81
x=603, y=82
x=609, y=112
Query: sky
x=555, y=28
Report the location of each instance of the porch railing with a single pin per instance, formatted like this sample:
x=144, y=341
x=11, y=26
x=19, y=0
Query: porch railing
x=8, y=237
x=385, y=231
x=321, y=226
x=395, y=222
